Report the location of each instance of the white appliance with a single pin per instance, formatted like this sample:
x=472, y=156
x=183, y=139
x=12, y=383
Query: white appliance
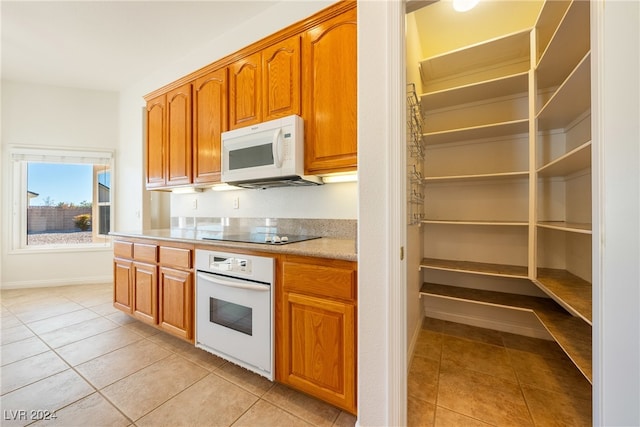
x=234, y=308
x=270, y=154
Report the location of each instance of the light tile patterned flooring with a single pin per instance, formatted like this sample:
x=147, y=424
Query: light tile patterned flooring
x=67, y=351
x=467, y=376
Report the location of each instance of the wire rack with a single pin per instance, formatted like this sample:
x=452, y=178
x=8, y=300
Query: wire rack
x=415, y=151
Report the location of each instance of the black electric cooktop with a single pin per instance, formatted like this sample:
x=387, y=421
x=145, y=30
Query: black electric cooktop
x=262, y=238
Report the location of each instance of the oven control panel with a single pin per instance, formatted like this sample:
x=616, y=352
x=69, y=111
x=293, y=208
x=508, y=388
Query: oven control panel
x=229, y=264
x=252, y=267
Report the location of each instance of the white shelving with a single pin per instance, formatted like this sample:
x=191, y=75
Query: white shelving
x=507, y=180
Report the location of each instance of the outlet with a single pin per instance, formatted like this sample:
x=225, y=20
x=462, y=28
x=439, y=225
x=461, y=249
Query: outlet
x=236, y=202
x=194, y=204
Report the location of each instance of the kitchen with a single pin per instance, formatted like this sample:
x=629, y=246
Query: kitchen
x=376, y=354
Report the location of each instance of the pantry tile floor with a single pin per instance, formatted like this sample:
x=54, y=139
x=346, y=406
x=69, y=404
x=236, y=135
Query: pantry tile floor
x=67, y=352
x=468, y=376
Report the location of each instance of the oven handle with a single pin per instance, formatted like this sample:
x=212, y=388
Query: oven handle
x=220, y=281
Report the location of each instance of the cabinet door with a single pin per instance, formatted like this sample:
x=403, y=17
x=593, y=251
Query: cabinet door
x=122, y=289
x=330, y=95
x=209, y=121
x=245, y=100
x=281, y=79
x=176, y=302
x=178, y=156
x=145, y=294
x=319, y=348
x=155, y=142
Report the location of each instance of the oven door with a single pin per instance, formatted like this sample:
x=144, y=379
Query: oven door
x=233, y=321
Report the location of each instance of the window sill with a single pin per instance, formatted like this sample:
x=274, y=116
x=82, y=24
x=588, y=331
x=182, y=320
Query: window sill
x=50, y=249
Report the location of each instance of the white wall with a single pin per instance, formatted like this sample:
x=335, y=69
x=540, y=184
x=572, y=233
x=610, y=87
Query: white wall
x=616, y=261
x=382, y=290
x=55, y=117
x=133, y=204
x=328, y=201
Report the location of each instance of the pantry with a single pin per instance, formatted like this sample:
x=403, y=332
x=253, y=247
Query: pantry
x=499, y=186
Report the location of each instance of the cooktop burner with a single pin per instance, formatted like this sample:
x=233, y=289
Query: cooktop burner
x=263, y=238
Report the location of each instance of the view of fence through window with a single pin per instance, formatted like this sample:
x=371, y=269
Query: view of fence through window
x=67, y=203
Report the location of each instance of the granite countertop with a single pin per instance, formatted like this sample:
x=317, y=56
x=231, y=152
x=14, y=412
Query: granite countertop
x=325, y=247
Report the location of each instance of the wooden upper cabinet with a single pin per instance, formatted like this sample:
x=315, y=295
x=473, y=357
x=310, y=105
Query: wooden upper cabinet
x=245, y=96
x=281, y=79
x=155, y=142
x=330, y=95
x=179, y=135
x=209, y=121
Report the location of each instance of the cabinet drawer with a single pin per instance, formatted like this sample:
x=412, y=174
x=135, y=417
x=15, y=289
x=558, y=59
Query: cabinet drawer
x=332, y=282
x=123, y=249
x=145, y=252
x=176, y=257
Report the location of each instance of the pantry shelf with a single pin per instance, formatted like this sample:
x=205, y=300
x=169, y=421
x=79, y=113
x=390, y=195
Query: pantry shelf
x=477, y=177
x=575, y=160
x=571, y=99
x=572, y=227
x=571, y=333
x=513, y=127
x=568, y=290
x=473, y=267
x=569, y=44
x=494, y=88
x=494, y=57
x=463, y=222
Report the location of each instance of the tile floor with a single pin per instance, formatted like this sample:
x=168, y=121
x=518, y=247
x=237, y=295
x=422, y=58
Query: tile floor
x=67, y=351
x=467, y=376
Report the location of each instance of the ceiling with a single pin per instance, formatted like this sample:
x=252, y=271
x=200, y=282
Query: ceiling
x=108, y=45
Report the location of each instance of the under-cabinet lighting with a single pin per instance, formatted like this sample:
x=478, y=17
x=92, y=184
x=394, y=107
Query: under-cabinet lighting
x=186, y=190
x=464, y=5
x=224, y=187
x=347, y=177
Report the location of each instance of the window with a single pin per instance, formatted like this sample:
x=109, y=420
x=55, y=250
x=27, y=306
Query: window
x=62, y=198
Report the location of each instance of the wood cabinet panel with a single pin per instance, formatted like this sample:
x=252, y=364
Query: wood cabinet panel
x=176, y=302
x=316, y=328
x=330, y=95
x=209, y=121
x=122, y=249
x=145, y=252
x=178, y=155
x=332, y=282
x=176, y=257
x=281, y=79
x=122, y=285
x=145, y=295
x=321, y=341
x=245, y=96
x=155, y=141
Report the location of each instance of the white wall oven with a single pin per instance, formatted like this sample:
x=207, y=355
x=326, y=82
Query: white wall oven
x=234, y=308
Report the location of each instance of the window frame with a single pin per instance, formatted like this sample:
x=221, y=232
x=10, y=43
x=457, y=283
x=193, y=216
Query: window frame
x=19, y=157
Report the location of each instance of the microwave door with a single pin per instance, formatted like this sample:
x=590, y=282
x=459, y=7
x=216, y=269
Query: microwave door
x=257, y=155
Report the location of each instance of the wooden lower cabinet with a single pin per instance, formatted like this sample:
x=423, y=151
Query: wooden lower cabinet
x=316, y=337
x=122, y=284
x=145, y=294
x=156, y=284
x=176, y=302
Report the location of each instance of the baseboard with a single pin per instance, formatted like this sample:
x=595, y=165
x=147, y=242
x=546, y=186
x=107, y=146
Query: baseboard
x=412, y=344
x=500, y=318
x=92, y=280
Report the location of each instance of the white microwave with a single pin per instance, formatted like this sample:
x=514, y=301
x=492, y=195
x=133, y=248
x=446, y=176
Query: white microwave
x=269, y=154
